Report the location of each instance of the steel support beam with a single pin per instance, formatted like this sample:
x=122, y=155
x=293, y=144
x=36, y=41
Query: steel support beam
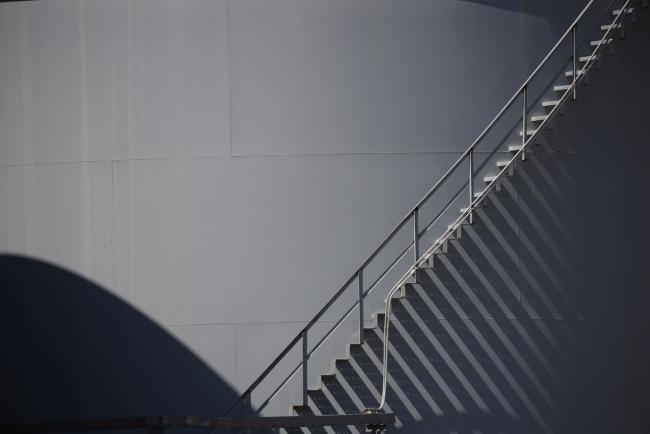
x=373, y=421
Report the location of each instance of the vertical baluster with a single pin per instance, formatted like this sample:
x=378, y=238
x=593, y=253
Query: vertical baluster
x=416, y=237
x=305, y=357
x=471, y=184
x=575, y=60
x=524, y=123
x=621, y=21
x=360, y=277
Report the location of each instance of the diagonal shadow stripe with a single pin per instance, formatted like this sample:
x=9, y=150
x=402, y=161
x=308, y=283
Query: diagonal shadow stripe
x=530, y=343
x=491, y=344
x=504, y=339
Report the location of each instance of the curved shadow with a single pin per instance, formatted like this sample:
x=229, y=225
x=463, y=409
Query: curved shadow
x=72, y=350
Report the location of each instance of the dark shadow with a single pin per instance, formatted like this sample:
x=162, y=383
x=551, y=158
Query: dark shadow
x=558, y=13
x=72, y=350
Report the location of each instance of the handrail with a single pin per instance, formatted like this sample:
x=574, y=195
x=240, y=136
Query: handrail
x=413, y=215
x=345, y=286
x=492, y=184
x=530, y=77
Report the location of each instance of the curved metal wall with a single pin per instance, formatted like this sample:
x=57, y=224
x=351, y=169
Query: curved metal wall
x=224, y=166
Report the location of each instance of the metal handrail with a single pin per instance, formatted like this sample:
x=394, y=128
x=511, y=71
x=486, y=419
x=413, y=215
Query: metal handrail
x=413, y=214
x=477, y=201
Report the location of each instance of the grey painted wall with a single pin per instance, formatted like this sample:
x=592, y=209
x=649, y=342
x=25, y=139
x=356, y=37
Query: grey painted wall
x=225, y=166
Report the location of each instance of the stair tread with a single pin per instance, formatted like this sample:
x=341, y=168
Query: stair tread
x=606, y=41
x=586, y=58
x=550, y=103
x=616, y=12
x=570, y=73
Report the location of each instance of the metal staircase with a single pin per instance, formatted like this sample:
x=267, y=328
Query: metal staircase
x=422, y=260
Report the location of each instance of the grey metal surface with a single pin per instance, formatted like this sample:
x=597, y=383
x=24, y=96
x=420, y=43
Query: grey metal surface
x=526, y=309
x=442, y=239
x=131, y=130
x=126, y=230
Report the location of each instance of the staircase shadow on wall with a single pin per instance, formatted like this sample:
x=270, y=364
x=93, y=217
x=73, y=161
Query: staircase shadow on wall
x=504, y=334
x=72, y=350
x=536, y=319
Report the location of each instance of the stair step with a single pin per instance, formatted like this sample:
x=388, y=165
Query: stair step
x=617, y=12
x=321, y=403
x=514, y=148
x=501, y=164
x=457, y=233
x=610, y=26
x=489, y=179
x=570, y=73
x=562, y=87
x=528, y=132
x=427, y=264
x=477, y=194
x=586, y=58
x=303, y=410
x=605, y=42
x=550, y=103
x=538, y=118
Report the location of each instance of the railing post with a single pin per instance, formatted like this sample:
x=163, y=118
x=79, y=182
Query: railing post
x=360, y=277
x=575, y=60
x=471, y=184
x=524, y=123
x=416, y=236
x=305, y=358
x=621, y=21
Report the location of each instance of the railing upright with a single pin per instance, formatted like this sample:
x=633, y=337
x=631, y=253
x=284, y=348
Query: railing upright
x=524, y=123
x=575, y=72
x=470, y=155
x=305, y=358
x=361, y=318
x=416, y=236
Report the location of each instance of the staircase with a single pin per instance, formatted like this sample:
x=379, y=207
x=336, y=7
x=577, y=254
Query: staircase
x=458, y=342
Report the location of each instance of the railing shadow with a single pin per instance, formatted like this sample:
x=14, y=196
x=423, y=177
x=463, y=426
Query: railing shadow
x=501, y=336
x=535, y=320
